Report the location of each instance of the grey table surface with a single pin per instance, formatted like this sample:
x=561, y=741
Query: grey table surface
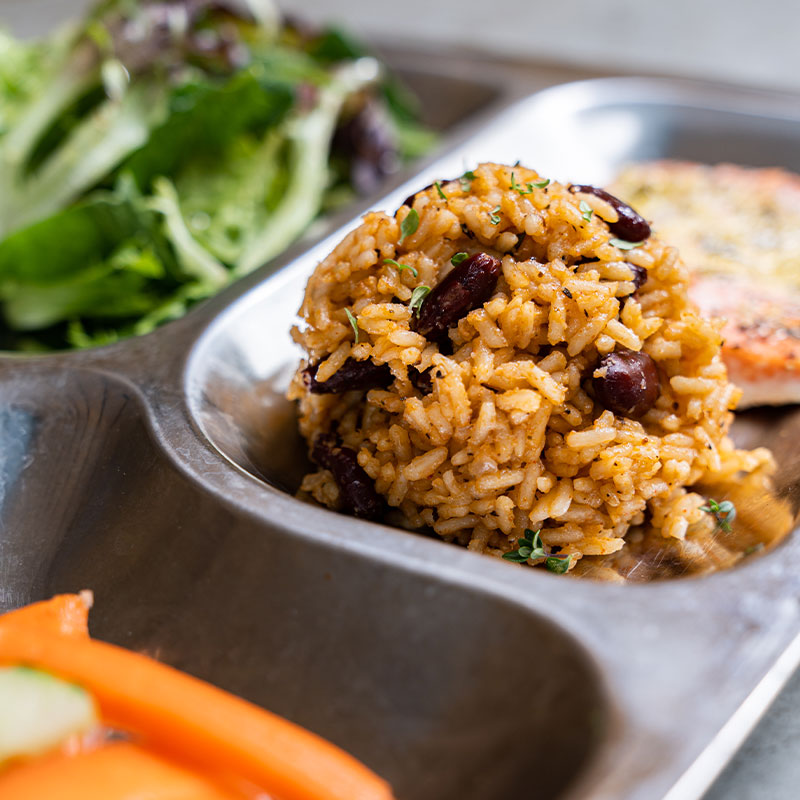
x=768, y=765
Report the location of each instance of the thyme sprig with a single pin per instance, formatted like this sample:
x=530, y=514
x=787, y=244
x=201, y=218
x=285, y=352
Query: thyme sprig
x=623, y=245
x=418, y=298
x=517, y=187
x=724, y=513
x=401, y=267
x=409, y=224
x=531, y=546
x=353, y=322
x=466, y=180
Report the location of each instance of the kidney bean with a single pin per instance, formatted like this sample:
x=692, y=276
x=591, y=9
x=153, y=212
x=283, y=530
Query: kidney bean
x=630, y=226
x=422, y=381
x=639, y=275
x=628, y=383
x=409, y=201
x=356, y=488
x=467, y=286
x=361, y=375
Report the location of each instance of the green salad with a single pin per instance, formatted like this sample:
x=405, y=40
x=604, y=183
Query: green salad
x=156, y=151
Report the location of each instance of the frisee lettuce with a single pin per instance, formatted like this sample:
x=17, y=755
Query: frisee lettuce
x=145, y=165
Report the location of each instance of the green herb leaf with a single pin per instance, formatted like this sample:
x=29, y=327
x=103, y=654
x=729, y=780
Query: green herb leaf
x=418, y=298
x=409, y=224
x=724, y=513
x=528, y=546
x=586, y=210
x=400, y=266
x=515, y=187
x=541, y=184
x=458, y=258
x=353, y=322
x=623, y=245
x=754, y=549
x=438, y=186
x=558, y=564
x=494, y=217
x=466, y=180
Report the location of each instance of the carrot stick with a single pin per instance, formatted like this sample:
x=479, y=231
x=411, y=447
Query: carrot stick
x=117, y=771
x=185, y=716
x=66, y=614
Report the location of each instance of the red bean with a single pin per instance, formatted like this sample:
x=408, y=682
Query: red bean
x=356, y=489
x=361, y=375
x=421, y=381
x=466, y=287
x=627, y=383
x=630, y=226
x=409, y=201
x=639, y=275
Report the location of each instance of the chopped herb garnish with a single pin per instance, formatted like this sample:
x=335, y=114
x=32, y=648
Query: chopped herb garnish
x=623, y=245
x=409, y=225
x=530, y=546
x=515, y=187
x=587, y=211
x=558, y=564
x=466, y=180
x=458, y=258
x=724, y=513
x=494, y=217
x=353, y=322
x=567, y=292
x=418, y=298
x=754, y=548
x=400, y=266
x=438, y=186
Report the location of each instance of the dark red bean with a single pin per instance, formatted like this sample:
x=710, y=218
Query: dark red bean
x=630, y=226
x=628, y=383
x=421, y=381
x=409, y=201
x=356, y=488
x=352, y=375
x=467, y=286
x=639, y=275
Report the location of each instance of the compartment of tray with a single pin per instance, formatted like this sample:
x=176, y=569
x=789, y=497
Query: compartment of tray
x=443, y=689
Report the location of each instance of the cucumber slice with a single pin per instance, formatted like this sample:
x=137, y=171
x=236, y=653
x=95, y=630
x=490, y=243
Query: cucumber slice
x=39, y=711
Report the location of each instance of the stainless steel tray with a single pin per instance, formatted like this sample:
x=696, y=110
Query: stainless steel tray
x=159, y=472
